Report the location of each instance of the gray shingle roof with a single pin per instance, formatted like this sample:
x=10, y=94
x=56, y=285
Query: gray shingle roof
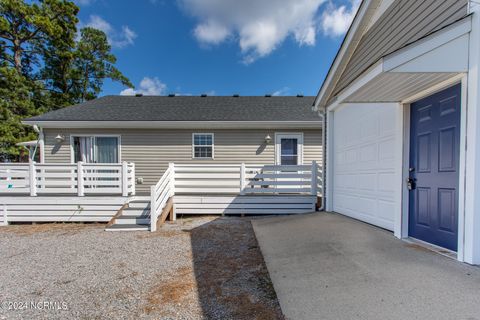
x=186, y=108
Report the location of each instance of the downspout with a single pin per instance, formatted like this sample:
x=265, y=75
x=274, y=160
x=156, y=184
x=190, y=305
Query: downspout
x=324, y=156
x=40, y=143
x=321, y=114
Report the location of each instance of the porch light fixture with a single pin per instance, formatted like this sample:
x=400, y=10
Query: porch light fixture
x=268, y=139
x=59, y=138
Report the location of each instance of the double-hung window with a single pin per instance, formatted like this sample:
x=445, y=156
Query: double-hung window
x=203, y=145
x=289, y=148
x=96, y=149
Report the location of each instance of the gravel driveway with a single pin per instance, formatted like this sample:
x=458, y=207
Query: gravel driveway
x=200, y=268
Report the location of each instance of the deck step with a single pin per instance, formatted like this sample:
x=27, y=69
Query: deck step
x=136, y=212
x=133, y=219
x=140, y=198
x=139, y=204
x=127, y=227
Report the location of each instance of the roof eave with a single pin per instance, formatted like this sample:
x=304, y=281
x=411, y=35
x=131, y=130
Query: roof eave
x=352, y=34
x=177, y=124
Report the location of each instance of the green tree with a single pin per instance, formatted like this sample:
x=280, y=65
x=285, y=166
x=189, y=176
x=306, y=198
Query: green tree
x=43, y=68
x=94, y=62
x=26, y=28
x=16, y=103
x=78, y=74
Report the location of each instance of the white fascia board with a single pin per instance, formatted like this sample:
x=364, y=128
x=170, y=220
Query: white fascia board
x=179, y=124
x=451, y=57
x=373, y=72
x=364, y=8
x=427, y=44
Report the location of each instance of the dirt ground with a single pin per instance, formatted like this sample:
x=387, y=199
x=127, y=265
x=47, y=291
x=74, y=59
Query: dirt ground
x=196, y=268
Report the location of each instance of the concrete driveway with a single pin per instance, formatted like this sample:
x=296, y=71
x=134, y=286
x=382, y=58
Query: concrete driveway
x=327, y=266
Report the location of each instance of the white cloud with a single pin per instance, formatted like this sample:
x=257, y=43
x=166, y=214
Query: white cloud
x=337, y=20
x=84, y=2
x=211, y=32
x=116, y=38
x=281, y=92
x=148, y=86
x=258, y=26
x=100, y=24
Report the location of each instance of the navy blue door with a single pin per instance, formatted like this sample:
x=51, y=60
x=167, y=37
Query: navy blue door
x=434, y=159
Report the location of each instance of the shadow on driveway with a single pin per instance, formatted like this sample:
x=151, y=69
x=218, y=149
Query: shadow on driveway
x=230, y=273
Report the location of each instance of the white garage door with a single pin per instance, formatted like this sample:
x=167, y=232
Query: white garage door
x=366, y=167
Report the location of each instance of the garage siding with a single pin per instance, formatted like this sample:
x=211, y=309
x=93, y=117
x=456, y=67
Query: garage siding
x=152, y=150
x=366, y=170
x=404, y=22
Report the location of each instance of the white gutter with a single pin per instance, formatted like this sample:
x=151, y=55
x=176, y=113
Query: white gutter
x=179, y=124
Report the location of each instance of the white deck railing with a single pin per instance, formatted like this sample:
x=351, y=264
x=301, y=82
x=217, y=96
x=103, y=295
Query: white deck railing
x=80, y=179
x=159, y=195
x=247, y=179
x=233, y=179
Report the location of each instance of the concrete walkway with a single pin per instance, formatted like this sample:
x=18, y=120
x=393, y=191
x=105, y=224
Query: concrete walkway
x=327, y=266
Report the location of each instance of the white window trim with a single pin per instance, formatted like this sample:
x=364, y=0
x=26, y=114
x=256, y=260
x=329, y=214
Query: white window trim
x=294, y=135
x=118, y=136
x=193, y=145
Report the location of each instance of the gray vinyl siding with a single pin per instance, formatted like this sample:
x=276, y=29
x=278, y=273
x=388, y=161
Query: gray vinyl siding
x=404, y=22
x=152, y=150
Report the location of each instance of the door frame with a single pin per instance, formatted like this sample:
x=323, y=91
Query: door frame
x=460, y=79
x=296, y=135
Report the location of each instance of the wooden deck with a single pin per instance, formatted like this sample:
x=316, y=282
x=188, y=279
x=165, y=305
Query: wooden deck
x=102, y=193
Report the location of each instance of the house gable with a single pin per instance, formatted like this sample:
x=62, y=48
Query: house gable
x=402, y=23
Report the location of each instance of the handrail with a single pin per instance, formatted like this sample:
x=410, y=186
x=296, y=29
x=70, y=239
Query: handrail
x=160, y=193
x=248, y=179
x=67, y=178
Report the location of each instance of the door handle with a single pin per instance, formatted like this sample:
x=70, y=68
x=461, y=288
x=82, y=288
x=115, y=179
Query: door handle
x=411, y=183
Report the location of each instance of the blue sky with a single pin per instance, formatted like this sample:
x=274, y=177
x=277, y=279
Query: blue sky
x=221, y=47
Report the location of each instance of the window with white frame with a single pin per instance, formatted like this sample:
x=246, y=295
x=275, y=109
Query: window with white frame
x=289, y=148
x=203, y=145
x=96, y=149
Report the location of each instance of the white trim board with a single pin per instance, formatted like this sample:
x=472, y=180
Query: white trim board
x=179, y=124
x=452, y=33
x=472, y=162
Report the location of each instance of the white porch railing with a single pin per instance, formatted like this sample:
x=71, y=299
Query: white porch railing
x=233, y=179
x=247, y=179
x=159, y=195
x=80, y=179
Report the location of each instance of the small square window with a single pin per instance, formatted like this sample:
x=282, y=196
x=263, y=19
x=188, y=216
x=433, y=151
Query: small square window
x=203, y=145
